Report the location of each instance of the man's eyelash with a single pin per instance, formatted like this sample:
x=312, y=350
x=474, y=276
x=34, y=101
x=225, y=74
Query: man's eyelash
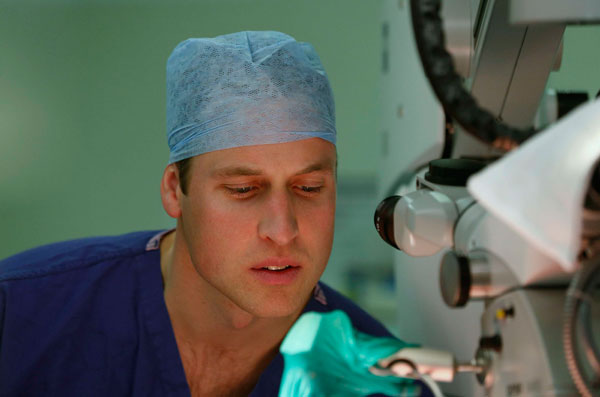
x=240, y=190
x=311, y=189
x=245, y=190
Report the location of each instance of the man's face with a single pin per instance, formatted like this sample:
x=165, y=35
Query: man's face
x=258, y=223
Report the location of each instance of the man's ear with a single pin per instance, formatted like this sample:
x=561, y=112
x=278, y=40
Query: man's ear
x=170, y=191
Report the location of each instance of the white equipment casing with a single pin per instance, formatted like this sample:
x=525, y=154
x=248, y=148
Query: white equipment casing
x=412, y=132
x=531, y=362
x=508, y=65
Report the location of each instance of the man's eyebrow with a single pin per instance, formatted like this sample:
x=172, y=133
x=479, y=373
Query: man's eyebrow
x=235, y=171
x=232, y=171
x=315, y=167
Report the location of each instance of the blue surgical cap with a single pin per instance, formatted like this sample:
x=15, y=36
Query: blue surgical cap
x=246, y=88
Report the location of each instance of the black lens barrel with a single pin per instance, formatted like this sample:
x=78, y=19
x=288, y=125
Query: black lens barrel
x=384, y=219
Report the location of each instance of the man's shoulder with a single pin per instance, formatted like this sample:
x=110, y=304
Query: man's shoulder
x=327, y=299
x=73, y=254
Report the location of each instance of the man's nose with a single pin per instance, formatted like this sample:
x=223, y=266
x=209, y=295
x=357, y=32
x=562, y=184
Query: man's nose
x=278, y=222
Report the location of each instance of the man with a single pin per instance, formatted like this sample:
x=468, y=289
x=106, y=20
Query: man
x=201, y=309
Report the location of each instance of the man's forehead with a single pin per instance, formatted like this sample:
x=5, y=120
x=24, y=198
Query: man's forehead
x=294, y=158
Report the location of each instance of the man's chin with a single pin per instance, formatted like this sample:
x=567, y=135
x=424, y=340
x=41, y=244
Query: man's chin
x=273, y=307
x=278, y=311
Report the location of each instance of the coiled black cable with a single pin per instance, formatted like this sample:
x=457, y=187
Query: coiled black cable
x=447, y=84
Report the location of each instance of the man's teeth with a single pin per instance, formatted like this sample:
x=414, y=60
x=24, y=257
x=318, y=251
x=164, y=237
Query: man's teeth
x=276, y=267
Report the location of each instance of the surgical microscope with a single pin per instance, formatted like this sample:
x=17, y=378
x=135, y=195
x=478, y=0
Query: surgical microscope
x=493, y=198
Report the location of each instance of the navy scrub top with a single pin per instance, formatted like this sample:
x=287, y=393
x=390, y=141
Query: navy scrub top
x=88, y=318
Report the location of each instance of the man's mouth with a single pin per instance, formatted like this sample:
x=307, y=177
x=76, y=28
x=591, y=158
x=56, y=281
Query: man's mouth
x=276, y=264
x=277, y=268
x=276, y=271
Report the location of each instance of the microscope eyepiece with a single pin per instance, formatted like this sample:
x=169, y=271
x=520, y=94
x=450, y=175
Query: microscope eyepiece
x=384, y=219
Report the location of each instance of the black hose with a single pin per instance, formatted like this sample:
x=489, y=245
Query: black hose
x=577, y=312
x=447, y=84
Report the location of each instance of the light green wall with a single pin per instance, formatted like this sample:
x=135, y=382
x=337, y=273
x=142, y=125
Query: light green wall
x=82, y=87
x=580, y=61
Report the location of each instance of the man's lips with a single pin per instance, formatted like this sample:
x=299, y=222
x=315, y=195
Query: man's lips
x=276, y=264
x=276, y=271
